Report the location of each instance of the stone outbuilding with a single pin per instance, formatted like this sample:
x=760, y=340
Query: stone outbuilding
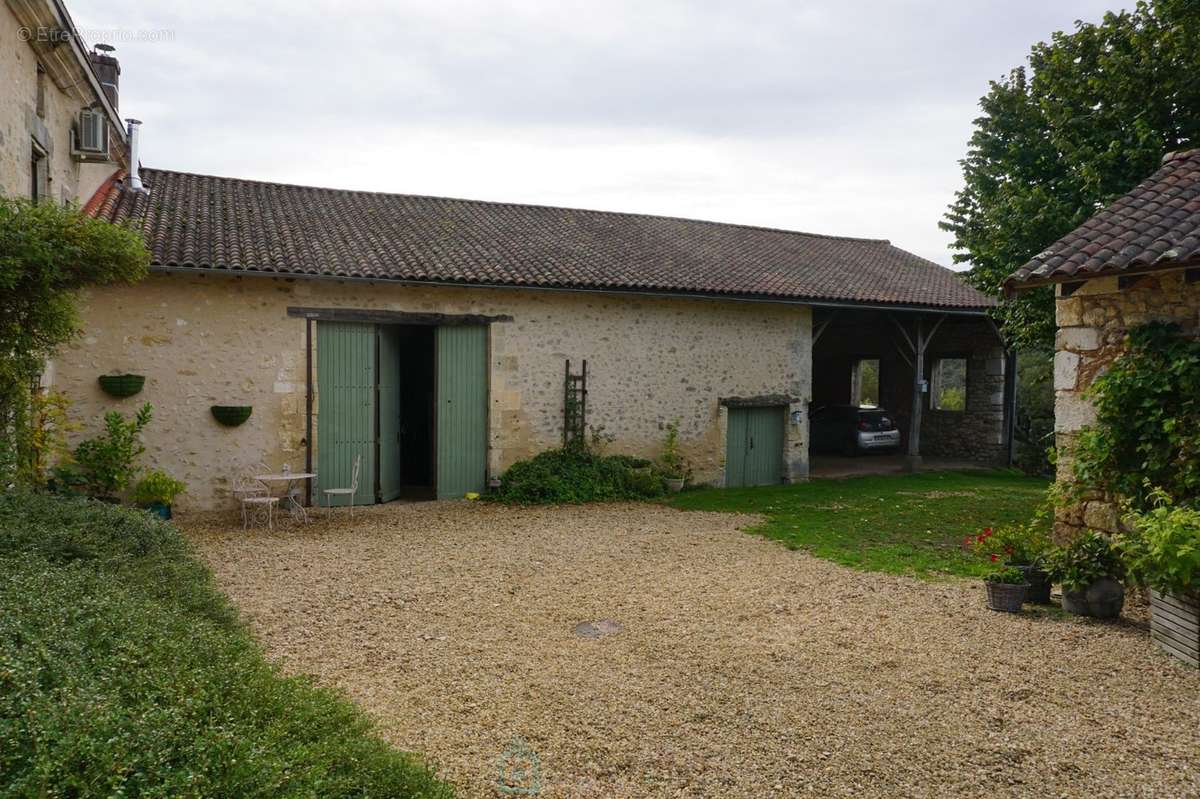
x=436, y=338
x=1134, y=262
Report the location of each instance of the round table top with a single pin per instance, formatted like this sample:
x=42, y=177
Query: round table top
x=281, y=476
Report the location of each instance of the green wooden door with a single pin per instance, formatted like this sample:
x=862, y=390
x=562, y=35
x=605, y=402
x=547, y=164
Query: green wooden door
x=389, y=378
x=462, y=410
x=345, y=408
x=754, y=447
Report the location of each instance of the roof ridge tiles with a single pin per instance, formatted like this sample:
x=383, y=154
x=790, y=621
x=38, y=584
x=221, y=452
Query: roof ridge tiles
x=506, y=204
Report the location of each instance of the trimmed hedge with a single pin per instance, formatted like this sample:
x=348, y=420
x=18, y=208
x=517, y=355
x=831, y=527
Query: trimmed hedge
x=571, y=476
x=123, y=671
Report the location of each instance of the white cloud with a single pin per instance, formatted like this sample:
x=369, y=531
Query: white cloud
x=833, y=118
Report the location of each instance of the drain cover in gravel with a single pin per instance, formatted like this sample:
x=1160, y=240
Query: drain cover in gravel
x=596, y=629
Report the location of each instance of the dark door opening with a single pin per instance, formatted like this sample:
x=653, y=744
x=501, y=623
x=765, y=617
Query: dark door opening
x=416, y=409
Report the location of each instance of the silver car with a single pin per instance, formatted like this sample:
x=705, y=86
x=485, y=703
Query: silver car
x=849, y=430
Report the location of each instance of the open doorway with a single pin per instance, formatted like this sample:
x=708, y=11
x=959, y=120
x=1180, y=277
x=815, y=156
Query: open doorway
x=416, y=409
x=405, y=390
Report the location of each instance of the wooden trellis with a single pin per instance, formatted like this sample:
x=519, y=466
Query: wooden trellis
x=574, y=407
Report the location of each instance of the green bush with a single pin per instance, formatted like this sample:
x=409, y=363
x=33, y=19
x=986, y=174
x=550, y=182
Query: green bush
x=1147, y=430
x=1163, y=551
x=157, y=487
x=1088, y=558
x=124, y=672
x=567, y=476
x=108, y=460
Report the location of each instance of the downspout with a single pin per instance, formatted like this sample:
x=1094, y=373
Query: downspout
x=134, y=180
x=308, y=406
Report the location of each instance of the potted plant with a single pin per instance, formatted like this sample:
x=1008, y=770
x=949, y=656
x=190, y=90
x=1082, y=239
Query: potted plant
x=1023, y=547
x=1006, y=590
x=156, y=491
x=1162, y=552
x=671, y=463
x=1090, y=571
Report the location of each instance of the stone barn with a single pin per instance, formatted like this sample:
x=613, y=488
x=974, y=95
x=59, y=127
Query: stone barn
x=433, y=338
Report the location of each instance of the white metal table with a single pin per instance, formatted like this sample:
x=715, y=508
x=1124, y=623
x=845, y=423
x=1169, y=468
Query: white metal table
x=290, y=494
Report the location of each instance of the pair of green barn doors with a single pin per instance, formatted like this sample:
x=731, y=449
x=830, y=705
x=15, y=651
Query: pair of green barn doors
x=359, y=381
x=754, y=446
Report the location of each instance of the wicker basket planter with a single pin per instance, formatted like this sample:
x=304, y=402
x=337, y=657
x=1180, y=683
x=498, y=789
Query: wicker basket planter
x=1175, y=625
x=1006, y=598
x=121, y=385
x=231, y=415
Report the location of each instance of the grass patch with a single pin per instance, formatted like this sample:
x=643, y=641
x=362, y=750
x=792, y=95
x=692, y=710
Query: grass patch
x=907, y=524
x=124, y=672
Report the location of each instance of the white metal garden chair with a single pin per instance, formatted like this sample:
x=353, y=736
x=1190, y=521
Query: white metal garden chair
x=330, y=493
x=253, y=495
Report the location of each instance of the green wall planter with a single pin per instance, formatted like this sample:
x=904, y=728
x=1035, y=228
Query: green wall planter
x=121, y=385
x=231, y=415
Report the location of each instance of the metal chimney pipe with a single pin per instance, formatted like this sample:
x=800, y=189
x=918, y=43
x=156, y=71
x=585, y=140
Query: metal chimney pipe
x=134, y=180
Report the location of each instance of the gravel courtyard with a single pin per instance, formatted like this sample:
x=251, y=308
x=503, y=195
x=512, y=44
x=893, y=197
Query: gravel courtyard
x=742, y=669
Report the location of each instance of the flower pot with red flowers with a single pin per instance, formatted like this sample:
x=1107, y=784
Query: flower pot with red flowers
x=1023, y=547
x=1006, y=590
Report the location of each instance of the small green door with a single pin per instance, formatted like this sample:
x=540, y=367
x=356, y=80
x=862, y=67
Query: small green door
x=389, y=413
x=754, y=447
x=462, y=409
x=345, y=409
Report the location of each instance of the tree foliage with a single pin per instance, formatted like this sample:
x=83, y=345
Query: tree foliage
x=47, y=253
x=1088, y=120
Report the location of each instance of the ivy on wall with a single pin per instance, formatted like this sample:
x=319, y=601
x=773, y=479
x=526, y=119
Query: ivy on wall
x=1147, y=429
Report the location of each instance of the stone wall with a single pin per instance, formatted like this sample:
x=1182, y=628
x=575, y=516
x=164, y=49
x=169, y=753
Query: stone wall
x=205, y=340
x=1092, y=323
x=20, y=124
x=976, y=433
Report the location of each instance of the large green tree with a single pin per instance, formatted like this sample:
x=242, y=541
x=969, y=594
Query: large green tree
x=1089, y=119
x=47, y=253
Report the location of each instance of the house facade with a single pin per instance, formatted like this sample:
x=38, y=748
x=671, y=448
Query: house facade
x=1137, y=261
x=432, y=337
x=60, y=135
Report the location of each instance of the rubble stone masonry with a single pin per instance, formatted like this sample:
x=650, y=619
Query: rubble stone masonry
x=1092, y=324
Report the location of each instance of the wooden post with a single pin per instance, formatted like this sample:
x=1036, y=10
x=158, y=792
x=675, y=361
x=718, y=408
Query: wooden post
x=914, y=426
x=917, y=347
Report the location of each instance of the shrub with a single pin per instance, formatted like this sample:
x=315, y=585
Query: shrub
x=123, y=672
x=566, y=476
x=672, y=462
x=1163, y=551
x=157, y=487
x=1090, y=557
x=108, y=461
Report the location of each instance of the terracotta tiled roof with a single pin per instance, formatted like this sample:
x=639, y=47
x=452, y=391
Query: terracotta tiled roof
x=1155, y=226
x=203, y=222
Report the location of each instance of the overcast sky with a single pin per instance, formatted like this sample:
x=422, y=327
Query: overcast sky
x=844, y=118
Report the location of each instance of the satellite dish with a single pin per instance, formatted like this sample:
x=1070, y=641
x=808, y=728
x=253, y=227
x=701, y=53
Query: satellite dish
x=105, y=48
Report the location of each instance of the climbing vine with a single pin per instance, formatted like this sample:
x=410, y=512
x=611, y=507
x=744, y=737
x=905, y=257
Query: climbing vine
x=1147, y=429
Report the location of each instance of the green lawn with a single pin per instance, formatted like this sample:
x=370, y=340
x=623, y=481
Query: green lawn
x=902, y=524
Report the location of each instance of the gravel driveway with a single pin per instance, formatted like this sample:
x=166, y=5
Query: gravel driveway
x=741, y=670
